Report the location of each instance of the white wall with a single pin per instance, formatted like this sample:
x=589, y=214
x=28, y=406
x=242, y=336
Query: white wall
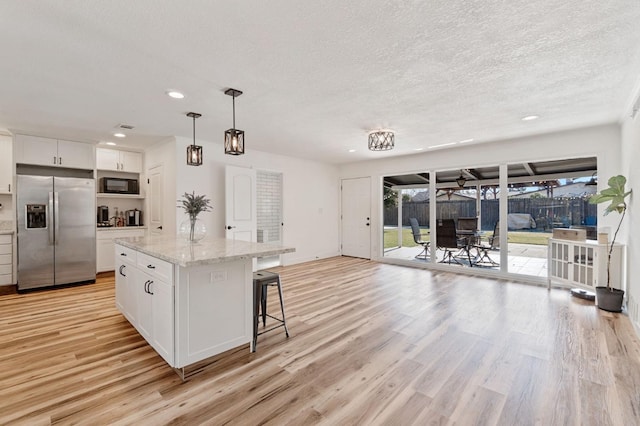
x=311, y=193
x=631, y=225
x=600, y=141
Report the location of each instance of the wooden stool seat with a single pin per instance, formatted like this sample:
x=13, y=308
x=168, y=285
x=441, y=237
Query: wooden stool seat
x=261, y=281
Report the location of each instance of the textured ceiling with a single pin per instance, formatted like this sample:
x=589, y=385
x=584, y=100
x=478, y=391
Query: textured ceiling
x=316, y=76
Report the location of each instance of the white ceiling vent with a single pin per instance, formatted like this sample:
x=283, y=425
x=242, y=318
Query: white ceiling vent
x=124, y=126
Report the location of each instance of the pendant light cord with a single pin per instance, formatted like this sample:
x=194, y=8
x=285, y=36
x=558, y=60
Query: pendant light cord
x=234, y=112
x=194, y=131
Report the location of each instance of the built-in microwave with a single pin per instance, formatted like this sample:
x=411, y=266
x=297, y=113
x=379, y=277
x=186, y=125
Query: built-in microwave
x=119, y=186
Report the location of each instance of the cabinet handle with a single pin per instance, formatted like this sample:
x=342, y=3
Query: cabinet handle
x=151, y=267
x=54, y=160
x=60, y=160
x=149, y=287
x=9, y=187
x=120, y=270
x=146, y=286
x=123, y=254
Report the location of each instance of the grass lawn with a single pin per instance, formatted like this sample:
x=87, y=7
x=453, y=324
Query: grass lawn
x=517, y=237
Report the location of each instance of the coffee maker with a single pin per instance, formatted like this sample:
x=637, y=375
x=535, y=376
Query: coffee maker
x=103, y=216
x=133, y=217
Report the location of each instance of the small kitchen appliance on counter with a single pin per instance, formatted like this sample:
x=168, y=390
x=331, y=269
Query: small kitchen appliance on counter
x=103, y=216
x=133, y=217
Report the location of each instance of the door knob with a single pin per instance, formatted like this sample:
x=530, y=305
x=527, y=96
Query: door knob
x=159, y=227
x=230, y=227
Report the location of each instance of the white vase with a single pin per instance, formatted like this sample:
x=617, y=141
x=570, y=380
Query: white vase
x=193, y=229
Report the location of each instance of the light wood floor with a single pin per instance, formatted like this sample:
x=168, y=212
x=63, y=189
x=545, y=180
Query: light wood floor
x=370, y=344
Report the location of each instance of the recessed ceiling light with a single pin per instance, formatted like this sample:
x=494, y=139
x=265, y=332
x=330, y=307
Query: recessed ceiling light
x=352, y=150
x=119, y=135
x=418, y=149
x=444, y=144
x=175, y=94
x=530, y=117
x=110, y=143
x=466, y=141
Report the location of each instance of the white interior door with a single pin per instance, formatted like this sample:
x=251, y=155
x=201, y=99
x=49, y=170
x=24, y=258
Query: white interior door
x=356, y=217
x=240, y=198
x=156, y=201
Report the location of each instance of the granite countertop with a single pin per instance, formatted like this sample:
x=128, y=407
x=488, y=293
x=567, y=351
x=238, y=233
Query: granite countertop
x=119, y=228
x=180, y=252
x=6, y=227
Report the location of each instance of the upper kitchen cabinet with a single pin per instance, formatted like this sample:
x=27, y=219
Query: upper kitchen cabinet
x=120, y=161
x=6, y=165
x=53, y=152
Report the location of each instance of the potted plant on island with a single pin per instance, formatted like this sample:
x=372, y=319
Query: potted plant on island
x=192, y=228
x=609, y=298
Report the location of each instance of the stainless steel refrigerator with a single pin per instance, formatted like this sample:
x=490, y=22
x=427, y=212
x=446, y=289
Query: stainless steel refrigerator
x=56, y=230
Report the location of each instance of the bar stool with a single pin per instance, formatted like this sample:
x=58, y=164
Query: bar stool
x=262, y=280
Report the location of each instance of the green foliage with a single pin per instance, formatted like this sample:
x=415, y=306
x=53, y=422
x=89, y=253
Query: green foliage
x=615, y=194
x=389, y=197
x=194, y=204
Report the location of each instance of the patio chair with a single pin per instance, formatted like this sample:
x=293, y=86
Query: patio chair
x=494, y=240
x=468, y=228
x=483, y=258
x=446, y=239
x=417, y=238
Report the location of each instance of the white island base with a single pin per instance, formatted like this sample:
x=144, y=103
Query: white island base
x=189, y=301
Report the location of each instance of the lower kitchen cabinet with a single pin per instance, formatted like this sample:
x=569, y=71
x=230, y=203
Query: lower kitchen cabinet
x=6, y=259
x=145, y=296
x=125, y=262
x=105, y=245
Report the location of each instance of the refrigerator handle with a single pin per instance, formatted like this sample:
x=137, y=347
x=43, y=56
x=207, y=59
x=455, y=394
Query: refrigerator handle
x=50, y=219
x=56, y=217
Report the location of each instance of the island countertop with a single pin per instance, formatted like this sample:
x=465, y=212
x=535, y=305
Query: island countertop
x=180, y=252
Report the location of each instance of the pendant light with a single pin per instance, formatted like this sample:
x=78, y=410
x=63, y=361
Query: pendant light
x=234, y=138
x=461, y=180
x=194, y=152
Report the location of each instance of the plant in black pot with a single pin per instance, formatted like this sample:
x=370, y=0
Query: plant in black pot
x=609, y=298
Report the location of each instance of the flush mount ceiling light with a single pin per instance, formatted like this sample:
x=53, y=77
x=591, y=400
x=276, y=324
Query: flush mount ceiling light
x=233, y=138
x=381, y=140
x=530, y=118
x=194, y=152
x=110, y=143
x=119, y=135
x=175, y=94
x=461, y=180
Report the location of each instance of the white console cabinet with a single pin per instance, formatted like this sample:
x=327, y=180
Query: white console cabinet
x=583, y=264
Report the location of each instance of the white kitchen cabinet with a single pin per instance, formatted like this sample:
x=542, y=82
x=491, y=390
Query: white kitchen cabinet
x=125, y=283
x=149, y=286
x=6, y=165
x=120, y=161
x=54, y=152
x=6, y=259
x=583, y=264
x=105, y=260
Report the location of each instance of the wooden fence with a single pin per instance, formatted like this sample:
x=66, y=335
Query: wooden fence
x=547, y=212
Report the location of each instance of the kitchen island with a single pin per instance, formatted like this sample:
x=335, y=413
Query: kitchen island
x=190, y=301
